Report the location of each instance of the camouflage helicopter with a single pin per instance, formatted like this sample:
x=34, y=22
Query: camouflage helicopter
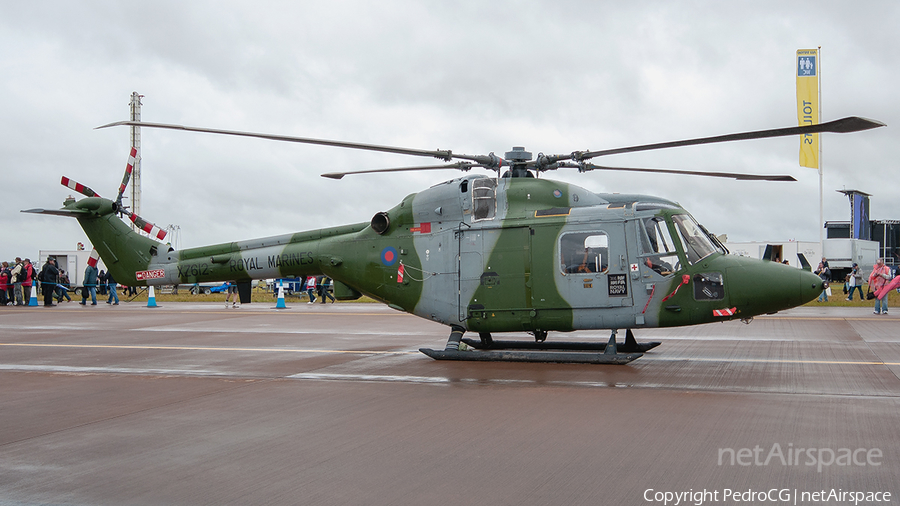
x=510, y=253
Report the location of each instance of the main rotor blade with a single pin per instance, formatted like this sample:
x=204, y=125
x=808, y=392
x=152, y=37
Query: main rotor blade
x=463, y=166
x=741, y=177
x=840, y=126
x=442, y=154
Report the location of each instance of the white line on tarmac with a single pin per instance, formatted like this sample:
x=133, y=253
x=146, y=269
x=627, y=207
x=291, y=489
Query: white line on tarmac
x=206, y=348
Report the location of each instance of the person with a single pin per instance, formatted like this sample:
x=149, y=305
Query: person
x=4, y=283
x=63, y=287
x=101, y=283
x=824, y=274
x=111, y=287
x=18, y=275
x=91, y=276
x=881, y=274
x=10, y=295
x=855, y=282
x=30, y=278
x=323, y=289
x=311, y=288
x=232, y=292
x=49, y=277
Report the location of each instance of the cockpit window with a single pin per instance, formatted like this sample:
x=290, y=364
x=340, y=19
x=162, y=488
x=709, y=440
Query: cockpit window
x=657, y=247
x=584, y=252
x=697, y=245
x=484, y=198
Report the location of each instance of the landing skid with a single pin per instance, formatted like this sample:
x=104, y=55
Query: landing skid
x=531, y=356
x=572, y=352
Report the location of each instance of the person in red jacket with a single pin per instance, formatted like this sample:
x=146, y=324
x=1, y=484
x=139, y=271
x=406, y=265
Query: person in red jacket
x=30, y=279
x=881, y=274
x=5, y=284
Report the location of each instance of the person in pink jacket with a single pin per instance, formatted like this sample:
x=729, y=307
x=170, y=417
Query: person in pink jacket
x=878, y=280
x=883, y=291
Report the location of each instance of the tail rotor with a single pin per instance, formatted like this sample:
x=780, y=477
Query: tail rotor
x=151, y=229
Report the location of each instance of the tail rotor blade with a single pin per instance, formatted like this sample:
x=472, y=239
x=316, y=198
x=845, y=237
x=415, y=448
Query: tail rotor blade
x=146, y=226
x=129, y=168
x=95, y=255
x=80, y=188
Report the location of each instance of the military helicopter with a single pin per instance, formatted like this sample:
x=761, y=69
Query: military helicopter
x=490, y=255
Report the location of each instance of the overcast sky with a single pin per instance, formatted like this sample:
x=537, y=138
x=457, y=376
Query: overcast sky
x=474, y=77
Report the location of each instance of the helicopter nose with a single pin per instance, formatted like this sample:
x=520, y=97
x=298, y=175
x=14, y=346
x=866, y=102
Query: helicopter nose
x=811, y=286
x=769, y=287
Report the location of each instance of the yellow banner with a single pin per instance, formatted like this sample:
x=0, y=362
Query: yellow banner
x=808, y=104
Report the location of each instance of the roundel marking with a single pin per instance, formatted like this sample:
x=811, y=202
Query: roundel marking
x=389, y=255
x=557, y=193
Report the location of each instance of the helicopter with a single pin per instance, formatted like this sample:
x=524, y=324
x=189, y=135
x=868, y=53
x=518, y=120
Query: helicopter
x=495, y=254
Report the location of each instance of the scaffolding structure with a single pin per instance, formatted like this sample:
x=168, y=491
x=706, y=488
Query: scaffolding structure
x=135, y=106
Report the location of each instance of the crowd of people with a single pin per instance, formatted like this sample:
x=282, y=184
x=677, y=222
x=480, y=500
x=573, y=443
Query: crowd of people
x=318, y=285
x=20, y=278
x=881, y=281
x=17, y=279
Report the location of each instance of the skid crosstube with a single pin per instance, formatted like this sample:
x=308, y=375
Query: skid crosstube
x=532, y=356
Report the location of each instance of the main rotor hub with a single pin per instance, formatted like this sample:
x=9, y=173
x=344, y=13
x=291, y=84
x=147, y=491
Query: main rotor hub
x=518, y=154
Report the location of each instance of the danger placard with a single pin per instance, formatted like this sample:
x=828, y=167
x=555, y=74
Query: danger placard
x=154, y=274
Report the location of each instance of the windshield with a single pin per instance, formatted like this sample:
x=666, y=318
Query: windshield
x=697, y=245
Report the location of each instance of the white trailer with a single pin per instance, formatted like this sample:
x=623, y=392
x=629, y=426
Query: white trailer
x=843, y=253
x=790, y=251
x=840, y=253
x=72, y=261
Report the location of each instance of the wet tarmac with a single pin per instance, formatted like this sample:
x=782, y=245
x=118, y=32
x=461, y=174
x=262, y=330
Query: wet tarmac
x=332, y=404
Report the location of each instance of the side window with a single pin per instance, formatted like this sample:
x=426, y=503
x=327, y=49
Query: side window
x=709, y=286
x=484, y=198
x=657, y=247
x=584, y=252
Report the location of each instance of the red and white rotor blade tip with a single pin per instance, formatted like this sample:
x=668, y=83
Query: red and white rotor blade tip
x=80, y=188
x=129, y=168
x=148, y=227
x=95, y=256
